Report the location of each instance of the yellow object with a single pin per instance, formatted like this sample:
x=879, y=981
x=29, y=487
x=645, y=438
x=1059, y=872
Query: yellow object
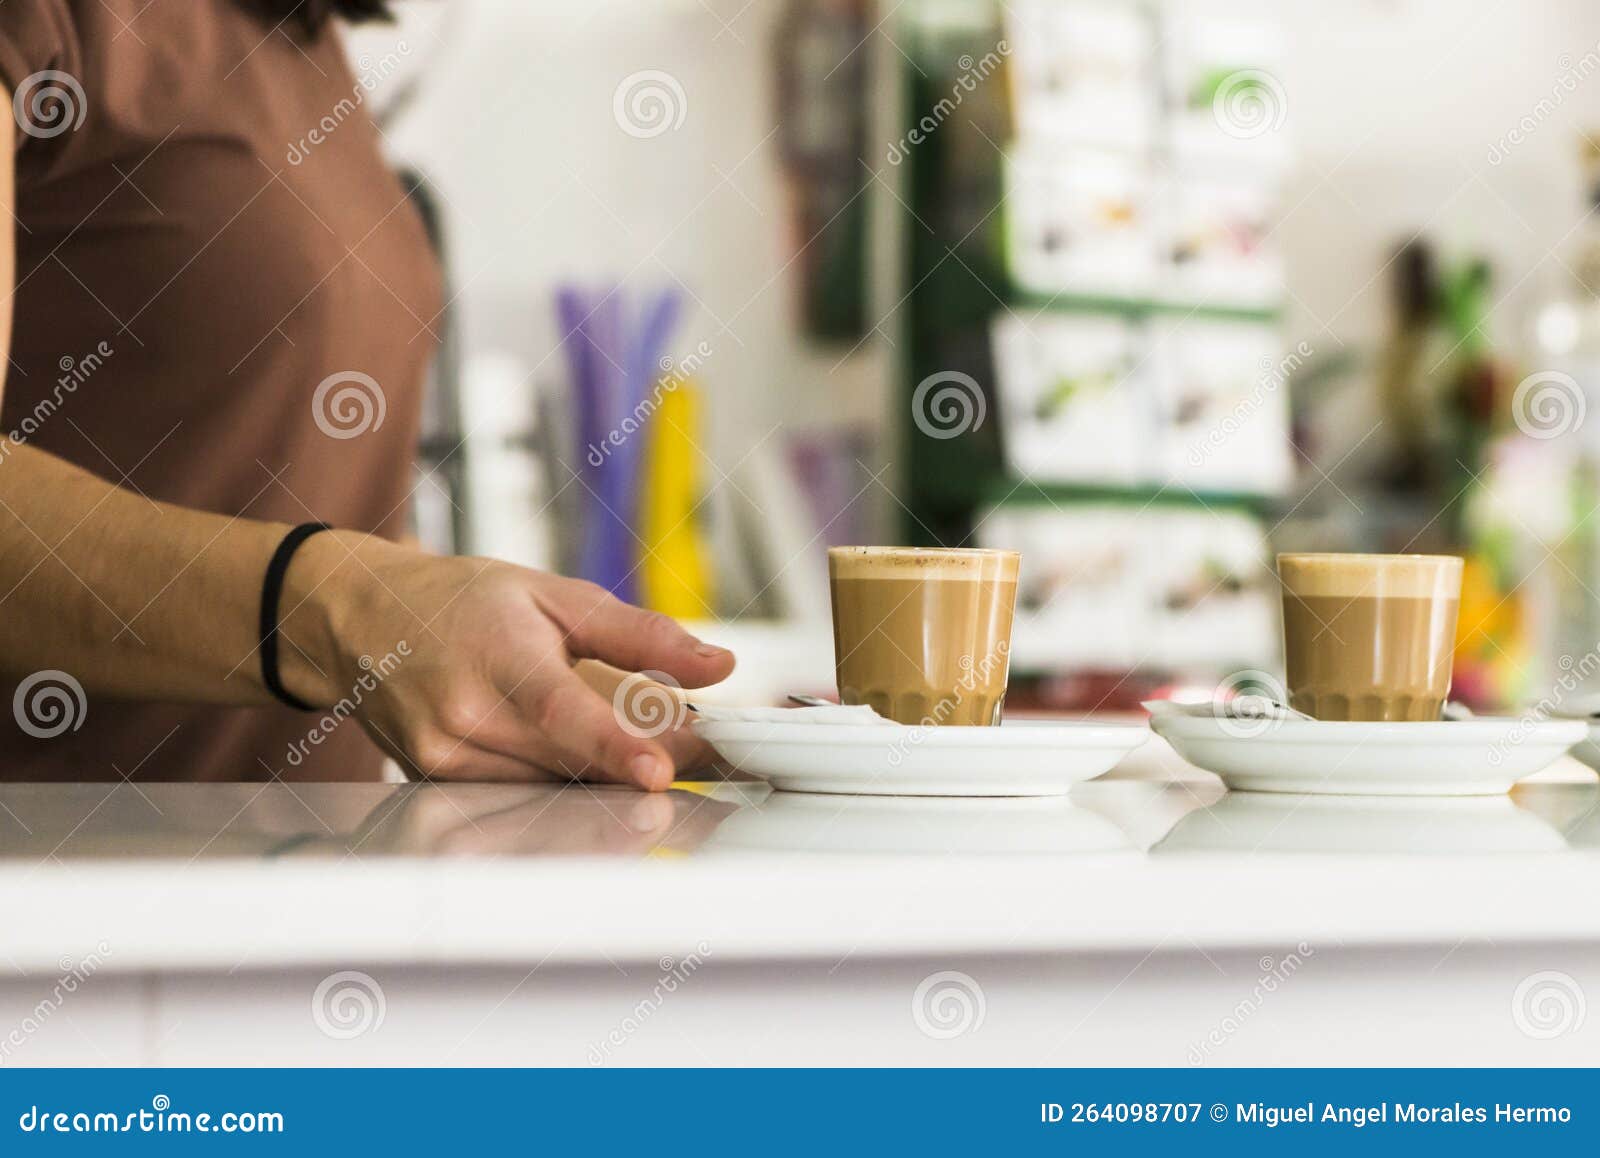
x=1492, y=645
x=698, y=787
x=1487, y=618
x=674, y=571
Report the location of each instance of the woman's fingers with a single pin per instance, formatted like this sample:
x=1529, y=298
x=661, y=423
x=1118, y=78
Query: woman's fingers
x=648, y=707
x=563, y=710
x=592, y=723
x=597, y=625
x=644, y=703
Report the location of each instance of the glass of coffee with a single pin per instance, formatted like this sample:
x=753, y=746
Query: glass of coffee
x=923, y=635
x=1369, y=637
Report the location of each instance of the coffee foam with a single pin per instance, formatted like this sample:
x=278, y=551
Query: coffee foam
x=922, y=563
x=1371, y=576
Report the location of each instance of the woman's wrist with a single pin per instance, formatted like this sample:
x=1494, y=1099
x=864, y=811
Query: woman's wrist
x=324, y=582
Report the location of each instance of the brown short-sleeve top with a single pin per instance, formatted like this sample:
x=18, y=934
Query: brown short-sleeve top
x=207, y=233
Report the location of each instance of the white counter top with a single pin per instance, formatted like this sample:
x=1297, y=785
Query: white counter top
x=231, y=877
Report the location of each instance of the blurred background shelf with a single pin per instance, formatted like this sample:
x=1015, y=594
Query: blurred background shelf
x=1092, y=329
x=1216, y=278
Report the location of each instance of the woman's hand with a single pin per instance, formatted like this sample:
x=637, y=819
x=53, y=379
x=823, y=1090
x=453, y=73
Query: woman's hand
x=462, y=668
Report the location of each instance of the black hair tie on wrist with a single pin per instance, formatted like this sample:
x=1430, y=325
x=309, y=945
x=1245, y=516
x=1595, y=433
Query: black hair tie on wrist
x=271, y=592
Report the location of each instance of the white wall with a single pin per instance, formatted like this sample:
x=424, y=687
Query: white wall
x=1394, y=106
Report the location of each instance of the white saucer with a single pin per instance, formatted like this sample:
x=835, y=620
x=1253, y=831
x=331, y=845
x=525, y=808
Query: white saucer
x=1026, y=758
x=1478, y=757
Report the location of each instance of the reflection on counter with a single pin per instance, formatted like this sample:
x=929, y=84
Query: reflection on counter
x=1574, y=809
x=1293, y=823
x=933, y=825
x=42, y=823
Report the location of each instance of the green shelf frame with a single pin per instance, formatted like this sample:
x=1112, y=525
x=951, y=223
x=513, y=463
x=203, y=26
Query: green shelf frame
x=1011, y=492
x=1023, y=299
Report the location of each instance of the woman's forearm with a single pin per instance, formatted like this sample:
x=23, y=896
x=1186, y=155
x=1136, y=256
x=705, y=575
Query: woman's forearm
x=132, y=597
x=146, y=600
